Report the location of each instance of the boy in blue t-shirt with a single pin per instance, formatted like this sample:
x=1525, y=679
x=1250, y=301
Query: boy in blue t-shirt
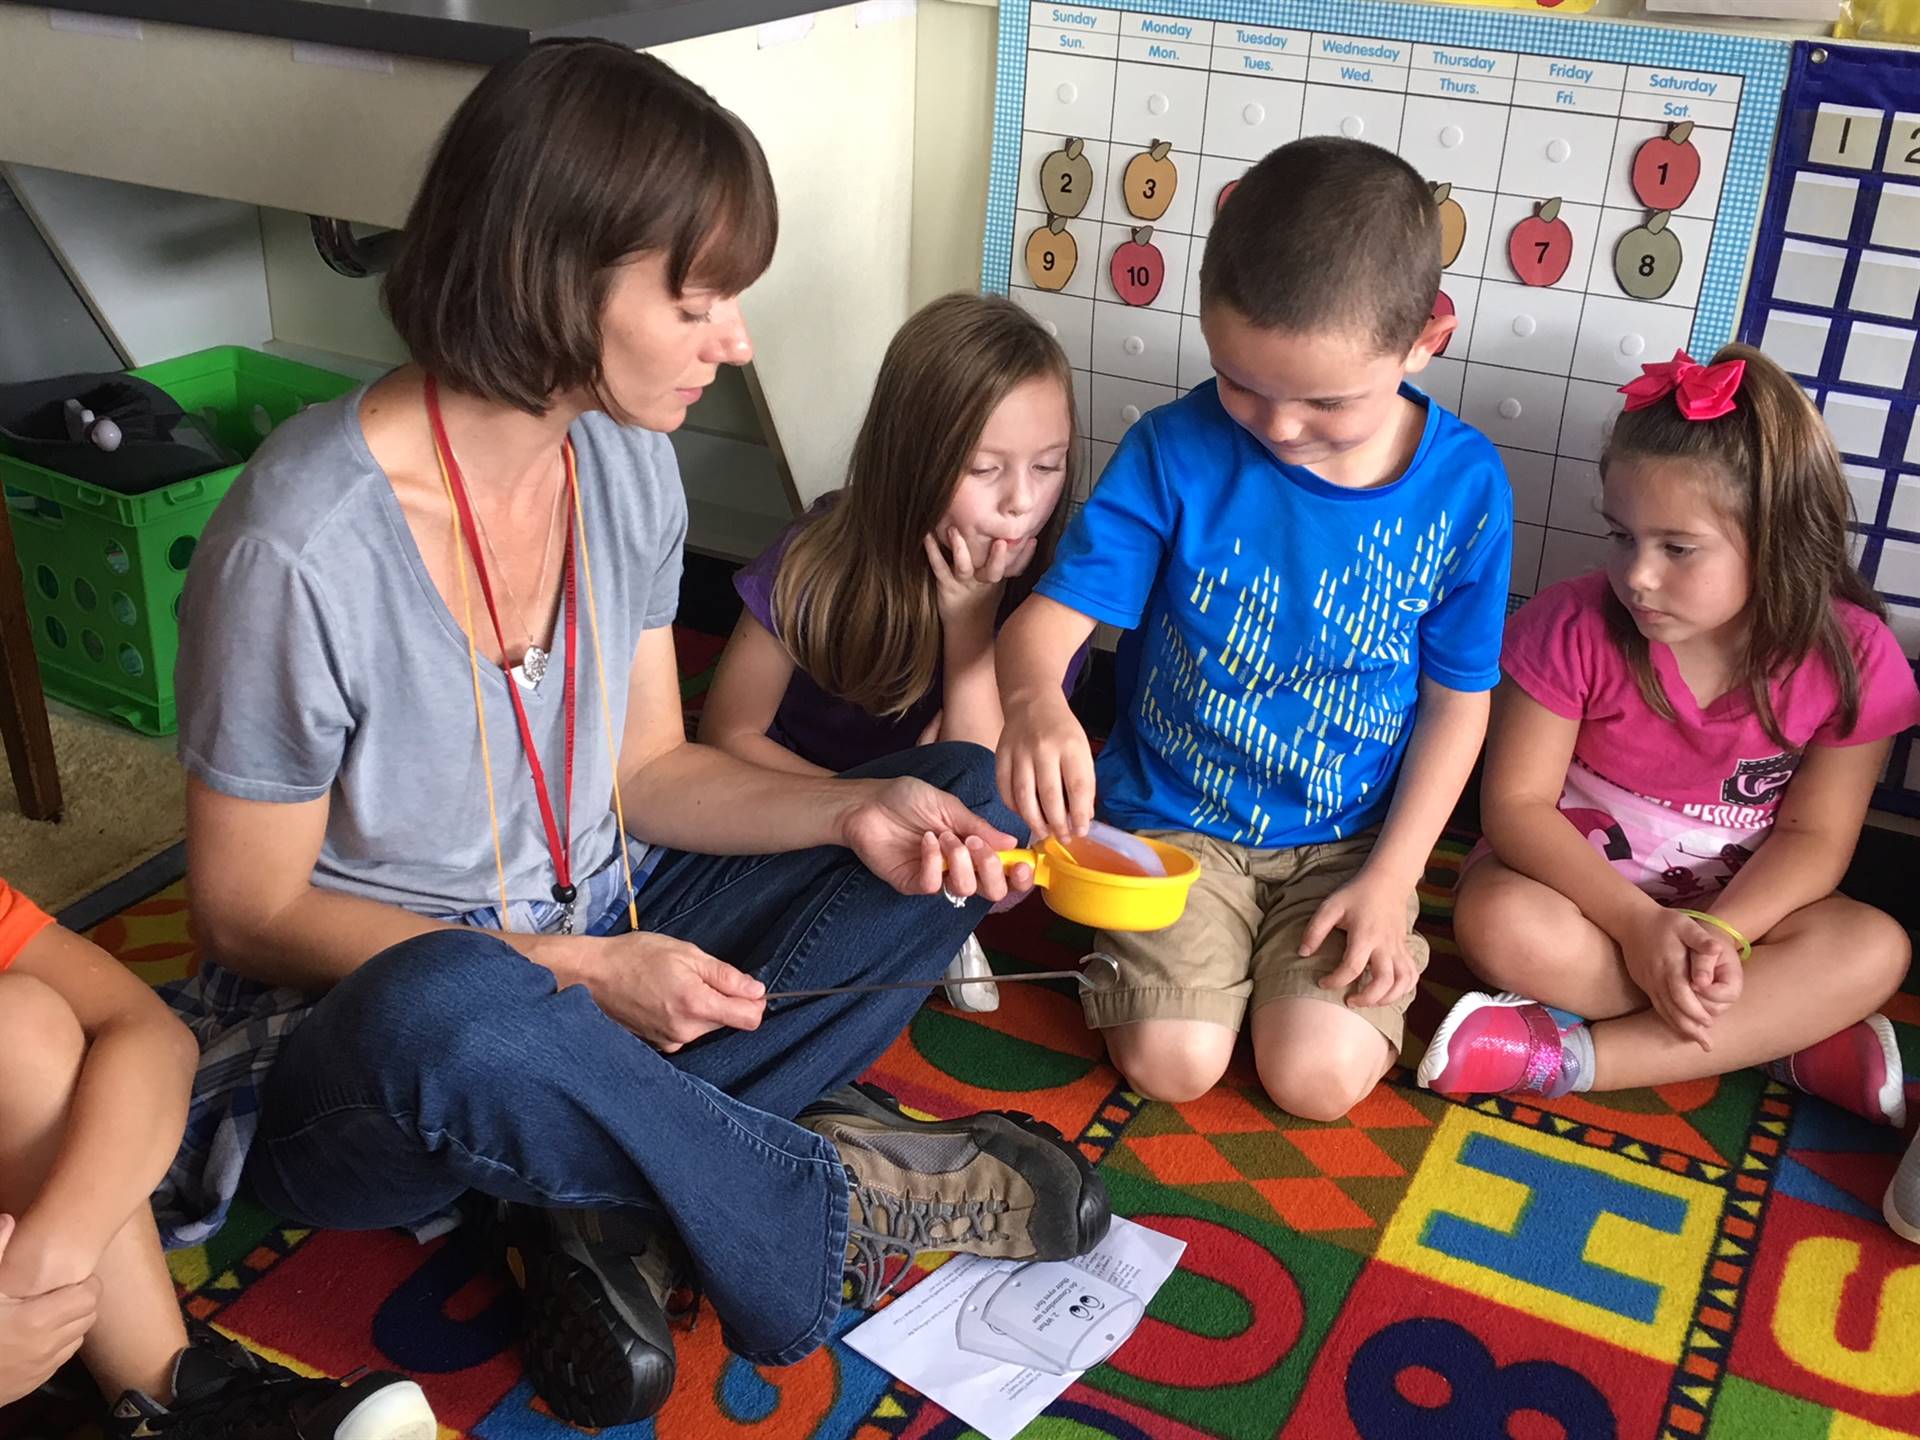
x=1312, y=560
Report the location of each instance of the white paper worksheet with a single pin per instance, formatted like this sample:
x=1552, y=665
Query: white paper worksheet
x=916, y=1338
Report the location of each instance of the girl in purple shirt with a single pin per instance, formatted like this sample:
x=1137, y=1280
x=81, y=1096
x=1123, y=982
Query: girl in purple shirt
x=869, y=624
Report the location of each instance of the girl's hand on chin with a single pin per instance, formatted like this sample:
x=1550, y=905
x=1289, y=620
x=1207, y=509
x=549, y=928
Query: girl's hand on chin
x=963, y=590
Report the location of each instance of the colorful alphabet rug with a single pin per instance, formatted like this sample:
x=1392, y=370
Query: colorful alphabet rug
x=1702, y=1260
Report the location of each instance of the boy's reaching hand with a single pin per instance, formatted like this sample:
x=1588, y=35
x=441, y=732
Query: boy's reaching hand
x=1044, y=765
x=1372, y=911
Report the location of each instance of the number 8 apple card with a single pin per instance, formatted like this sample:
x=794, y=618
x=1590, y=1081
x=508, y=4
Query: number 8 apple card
x=1597, y=184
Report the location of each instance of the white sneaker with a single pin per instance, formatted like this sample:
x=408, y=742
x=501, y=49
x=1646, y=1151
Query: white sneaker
x=977, y=998
x=1902, y=1206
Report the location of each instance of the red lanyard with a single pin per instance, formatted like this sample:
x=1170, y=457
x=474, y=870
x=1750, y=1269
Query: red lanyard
x=559, y=831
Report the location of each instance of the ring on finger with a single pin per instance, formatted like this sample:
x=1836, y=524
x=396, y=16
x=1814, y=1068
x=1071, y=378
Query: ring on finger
x=952, y=899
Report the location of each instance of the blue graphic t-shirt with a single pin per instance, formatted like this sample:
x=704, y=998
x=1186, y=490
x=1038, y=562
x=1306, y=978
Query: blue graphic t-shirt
x=1280, y=624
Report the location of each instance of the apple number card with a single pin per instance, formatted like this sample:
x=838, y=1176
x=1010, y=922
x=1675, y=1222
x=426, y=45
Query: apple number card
x=1835, y=298
x=1597, y=187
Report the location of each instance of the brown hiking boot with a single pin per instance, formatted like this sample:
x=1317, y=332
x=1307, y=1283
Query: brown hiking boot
x=1000, y=1184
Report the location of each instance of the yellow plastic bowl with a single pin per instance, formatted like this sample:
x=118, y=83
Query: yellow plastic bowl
x=1107, y=901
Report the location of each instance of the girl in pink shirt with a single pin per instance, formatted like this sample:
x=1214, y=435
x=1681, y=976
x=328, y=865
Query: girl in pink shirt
x=1681, y=759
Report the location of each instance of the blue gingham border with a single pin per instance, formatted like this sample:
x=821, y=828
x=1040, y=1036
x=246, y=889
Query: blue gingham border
x=1761, y=64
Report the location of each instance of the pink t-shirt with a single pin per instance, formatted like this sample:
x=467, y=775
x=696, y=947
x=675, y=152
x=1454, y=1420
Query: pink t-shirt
x=1717, y=763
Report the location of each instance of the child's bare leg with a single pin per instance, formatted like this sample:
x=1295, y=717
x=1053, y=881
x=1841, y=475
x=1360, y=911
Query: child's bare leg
x=1817, y=972
x=139, y=1330
x=1174, y=1060
x=1517, y=934
x=1317, y=1060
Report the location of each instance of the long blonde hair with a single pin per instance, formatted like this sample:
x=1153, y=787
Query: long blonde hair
x=1776, y=475
x=854, y=602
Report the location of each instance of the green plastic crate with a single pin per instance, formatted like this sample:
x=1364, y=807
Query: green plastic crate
x=104, y=571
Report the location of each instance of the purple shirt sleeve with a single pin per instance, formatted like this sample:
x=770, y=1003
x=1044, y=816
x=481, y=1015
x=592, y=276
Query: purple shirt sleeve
x=754, y=580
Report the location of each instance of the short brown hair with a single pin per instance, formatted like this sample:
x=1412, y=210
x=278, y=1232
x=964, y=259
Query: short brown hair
x=561, y=163
x=1775, y=476
x=1328, y=234
x=854, y=601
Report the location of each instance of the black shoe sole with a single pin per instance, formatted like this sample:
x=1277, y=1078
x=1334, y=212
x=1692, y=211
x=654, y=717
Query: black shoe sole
x=583, y=1359
x=1093, y=1214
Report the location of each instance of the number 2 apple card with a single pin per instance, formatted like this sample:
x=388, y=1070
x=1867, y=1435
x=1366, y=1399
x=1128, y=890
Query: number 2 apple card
x=1835, y=298
x=1597, y=186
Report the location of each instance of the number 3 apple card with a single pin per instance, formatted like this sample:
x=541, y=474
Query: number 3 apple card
x=1597, y=187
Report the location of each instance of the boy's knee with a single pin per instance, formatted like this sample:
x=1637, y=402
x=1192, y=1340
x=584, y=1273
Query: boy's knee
x=1327, y=1078
x=41, y=1042
x=1175, y=1067
x=1314, y=1090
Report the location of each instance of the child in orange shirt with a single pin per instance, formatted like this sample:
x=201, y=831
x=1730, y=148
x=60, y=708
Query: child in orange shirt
x=94, y=1078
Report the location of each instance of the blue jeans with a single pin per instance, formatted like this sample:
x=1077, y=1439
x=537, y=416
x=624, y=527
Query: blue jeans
x=451, y=1064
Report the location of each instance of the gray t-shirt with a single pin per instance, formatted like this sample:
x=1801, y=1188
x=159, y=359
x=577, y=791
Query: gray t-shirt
x=317, y=657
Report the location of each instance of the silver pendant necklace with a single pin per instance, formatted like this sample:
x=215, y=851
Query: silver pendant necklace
x=533, y=661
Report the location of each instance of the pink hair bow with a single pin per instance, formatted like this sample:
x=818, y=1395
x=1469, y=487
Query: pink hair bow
x=1703, y=392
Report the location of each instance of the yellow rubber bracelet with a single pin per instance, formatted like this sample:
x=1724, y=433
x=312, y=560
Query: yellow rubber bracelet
x=1744, y=945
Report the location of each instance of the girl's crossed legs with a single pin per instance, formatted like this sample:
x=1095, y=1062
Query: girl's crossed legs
x=1822, y=969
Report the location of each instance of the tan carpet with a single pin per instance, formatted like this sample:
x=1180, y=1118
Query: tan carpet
x=125, y=802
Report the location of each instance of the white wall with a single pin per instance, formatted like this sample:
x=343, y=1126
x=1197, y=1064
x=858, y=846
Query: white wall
x=240, y=117
x=835, y=113
x=165, y=273
x=952, y=143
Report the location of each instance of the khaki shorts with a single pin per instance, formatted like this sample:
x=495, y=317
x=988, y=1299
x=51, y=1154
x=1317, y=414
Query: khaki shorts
x=1236, y=946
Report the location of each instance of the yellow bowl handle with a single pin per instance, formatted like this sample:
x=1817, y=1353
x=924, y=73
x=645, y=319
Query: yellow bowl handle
x=1026, y=857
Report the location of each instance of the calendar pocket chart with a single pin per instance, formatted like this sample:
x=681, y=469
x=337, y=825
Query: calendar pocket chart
x=1835, y=298
x=1598, y=187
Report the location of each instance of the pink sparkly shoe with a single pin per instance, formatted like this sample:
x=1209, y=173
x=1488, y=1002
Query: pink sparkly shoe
x=1497, y=1045
x=1859, y=1070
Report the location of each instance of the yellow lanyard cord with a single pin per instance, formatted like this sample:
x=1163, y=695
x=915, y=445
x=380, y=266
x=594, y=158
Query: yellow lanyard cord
x=600, y=671
x=460, y=562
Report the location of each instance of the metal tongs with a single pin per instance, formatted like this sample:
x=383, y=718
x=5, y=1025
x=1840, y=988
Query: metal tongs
x=1096, y=972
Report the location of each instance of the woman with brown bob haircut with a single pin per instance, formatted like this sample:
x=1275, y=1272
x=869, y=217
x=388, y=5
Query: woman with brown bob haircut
x=476, y=918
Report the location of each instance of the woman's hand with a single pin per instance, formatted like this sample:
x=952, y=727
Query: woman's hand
x=964, y=593
x=1663, y=954
x=919, y=840
x=40, y=1333
x=1373, y=913
x=670, y=993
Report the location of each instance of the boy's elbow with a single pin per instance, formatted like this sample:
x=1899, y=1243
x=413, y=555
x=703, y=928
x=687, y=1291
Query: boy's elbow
x=179, y=1047
x=168, y=1049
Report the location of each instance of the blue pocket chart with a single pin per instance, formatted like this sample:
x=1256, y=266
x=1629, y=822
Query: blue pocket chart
x=1835, y=297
